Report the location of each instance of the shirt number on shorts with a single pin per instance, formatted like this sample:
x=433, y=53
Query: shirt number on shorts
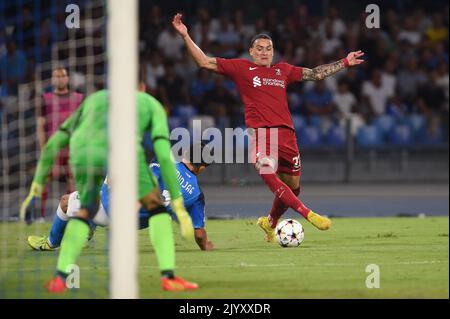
x=296, y=161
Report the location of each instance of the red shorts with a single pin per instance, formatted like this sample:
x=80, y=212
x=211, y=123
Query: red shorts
x=283, y=150
x=61, y=166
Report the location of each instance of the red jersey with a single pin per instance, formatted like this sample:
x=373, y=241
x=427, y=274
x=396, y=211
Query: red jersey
x=263, y=90
x=57, y=108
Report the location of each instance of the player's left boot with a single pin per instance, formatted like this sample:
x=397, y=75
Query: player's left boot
x=320, y=222
x=40, y=243
x=177, y=284
x=56, y=285
x=264, y=223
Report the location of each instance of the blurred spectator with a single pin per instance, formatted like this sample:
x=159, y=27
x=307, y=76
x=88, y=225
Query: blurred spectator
x=172, y=89
x=291, y=54
x=272, y=23
x=204, y=36
x=441, y=53
x=45, y=48
x=431, y=96
x=153, y=69
x=438, y=31
x=201, y=85
x=375, y=95
x=397, y=108
x=443, y=81
x=409, y=80
x=422, y=21
x=205, y=21
x=2, y=41
x=13, y=67
x=410, y=31
x=245, y=30
x=347, y=107
x=152, y=25
x=228, y=38
x=388, y=76
x=329, y=42
x=301, y=18
x=28, y=29
x=319, y=103
x=170, y=43
x=186, y=68
x=354, y=82
x=221, y=104
x=338, y=27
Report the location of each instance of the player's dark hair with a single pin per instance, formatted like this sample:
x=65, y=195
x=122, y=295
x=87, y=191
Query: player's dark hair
x=195, y=147
x=259, y=36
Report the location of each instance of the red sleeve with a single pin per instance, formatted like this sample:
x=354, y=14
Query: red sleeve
x=40, y=107
x=294, y=73
x=228, y=67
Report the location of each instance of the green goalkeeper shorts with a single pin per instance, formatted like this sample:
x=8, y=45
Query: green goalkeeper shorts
x=89, y=170
x=89, y=173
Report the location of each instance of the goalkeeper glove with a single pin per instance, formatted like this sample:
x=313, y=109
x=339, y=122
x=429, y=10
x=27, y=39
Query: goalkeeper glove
x=35, y=192
x=187, y=229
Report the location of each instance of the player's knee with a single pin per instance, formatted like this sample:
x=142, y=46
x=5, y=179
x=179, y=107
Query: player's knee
x=152, y=201
x=88, y=212
x=64, y=202
x=265, y=162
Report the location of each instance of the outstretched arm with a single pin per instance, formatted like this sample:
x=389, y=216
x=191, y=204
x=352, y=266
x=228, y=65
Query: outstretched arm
x=197, y=54
x=322, y=71
x=201, y=238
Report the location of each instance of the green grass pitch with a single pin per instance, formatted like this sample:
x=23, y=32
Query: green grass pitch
x=412, y=255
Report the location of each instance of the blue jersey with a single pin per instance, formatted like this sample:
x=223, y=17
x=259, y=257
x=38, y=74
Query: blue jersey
x=193, y=198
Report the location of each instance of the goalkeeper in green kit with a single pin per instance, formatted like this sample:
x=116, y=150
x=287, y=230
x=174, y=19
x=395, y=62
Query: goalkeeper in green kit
x=86, y=133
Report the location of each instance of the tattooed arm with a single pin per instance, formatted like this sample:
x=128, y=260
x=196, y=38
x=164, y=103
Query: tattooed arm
x=322, y=71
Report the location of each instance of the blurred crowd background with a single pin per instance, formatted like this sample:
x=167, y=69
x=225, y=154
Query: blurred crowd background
x=400, y=95
x=397, y=100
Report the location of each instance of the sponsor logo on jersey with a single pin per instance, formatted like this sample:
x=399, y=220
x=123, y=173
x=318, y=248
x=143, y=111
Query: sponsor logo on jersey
x=273, y=82
x=256, y=81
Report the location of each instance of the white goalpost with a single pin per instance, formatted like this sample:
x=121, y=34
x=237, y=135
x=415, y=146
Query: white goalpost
x=122, y=174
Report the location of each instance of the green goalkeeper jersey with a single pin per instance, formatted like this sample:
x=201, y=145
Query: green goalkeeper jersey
x=86, y=128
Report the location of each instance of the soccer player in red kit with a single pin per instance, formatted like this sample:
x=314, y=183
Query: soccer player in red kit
x=262, y=86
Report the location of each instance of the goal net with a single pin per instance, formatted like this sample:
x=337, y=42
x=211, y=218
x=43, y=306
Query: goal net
x=54, y=53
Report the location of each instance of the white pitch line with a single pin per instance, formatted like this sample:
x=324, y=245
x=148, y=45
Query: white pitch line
x=245, y=265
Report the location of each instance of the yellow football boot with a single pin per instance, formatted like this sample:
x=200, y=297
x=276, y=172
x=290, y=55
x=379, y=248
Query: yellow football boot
x=318, y=221
x=39, y=243
x=264, y=223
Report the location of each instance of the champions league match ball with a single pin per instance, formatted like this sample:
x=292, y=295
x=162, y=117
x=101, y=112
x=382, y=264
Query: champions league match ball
x=289, y=233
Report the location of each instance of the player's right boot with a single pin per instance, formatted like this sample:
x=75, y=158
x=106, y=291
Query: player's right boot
x=40, y=243
x=177, y=284
x=264, y=223
x=320, y=222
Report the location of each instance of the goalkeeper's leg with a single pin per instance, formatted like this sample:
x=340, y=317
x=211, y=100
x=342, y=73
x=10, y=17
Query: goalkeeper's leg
x=161, y=234
x=89, y=181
